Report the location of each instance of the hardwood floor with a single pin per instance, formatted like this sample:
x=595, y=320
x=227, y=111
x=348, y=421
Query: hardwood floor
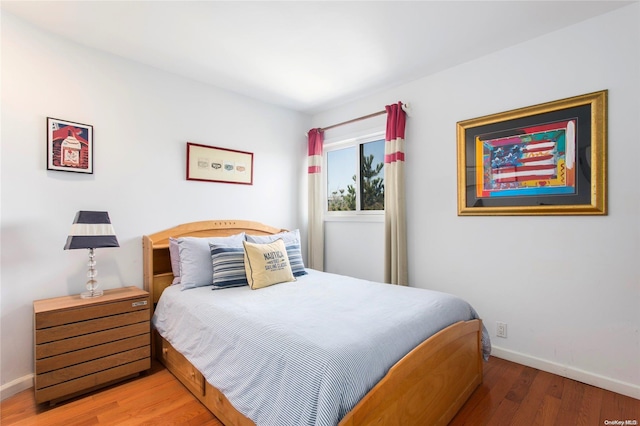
x=153, y=398
x=511, y=394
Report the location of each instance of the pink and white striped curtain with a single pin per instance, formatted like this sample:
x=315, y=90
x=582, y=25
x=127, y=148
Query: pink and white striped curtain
x=395, y=233
x=316, y=207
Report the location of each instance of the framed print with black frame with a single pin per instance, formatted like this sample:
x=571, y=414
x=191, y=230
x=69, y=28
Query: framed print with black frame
x=69, y=146
x=546, y=159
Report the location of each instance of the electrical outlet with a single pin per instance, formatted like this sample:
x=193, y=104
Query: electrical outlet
x=501, y=329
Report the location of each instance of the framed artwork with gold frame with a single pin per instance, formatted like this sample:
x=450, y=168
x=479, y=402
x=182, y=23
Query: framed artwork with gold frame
x=546, y=159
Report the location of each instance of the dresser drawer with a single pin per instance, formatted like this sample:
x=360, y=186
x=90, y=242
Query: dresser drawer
x=81, y=342
x=83, y=313
x=93, y=381
x=76, y=371
x=51, y=334
x=44, y=365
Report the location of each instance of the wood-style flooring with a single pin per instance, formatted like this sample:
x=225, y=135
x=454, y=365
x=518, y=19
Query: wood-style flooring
x=511, y=394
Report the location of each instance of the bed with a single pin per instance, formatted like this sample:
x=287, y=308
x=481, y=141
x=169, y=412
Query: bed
x=422, y=377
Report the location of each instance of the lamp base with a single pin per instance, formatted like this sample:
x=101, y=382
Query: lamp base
x=92, y=283
x=91, y=294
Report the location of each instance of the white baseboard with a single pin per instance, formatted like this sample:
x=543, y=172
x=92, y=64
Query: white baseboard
x=624, y=388
x=15, y=386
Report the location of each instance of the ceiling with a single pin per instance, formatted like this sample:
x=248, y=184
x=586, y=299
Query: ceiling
x=304, y=55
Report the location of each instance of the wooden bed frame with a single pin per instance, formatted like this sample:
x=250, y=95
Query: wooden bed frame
x=426, y=387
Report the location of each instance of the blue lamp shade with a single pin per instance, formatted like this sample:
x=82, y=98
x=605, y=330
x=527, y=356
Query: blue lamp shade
x=91, y=230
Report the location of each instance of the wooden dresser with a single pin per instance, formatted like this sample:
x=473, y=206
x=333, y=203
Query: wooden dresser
x=84, y=344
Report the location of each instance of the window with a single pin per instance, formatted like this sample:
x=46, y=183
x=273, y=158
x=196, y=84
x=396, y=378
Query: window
x=355, y=175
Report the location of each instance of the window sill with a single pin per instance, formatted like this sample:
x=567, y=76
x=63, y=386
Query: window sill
x=373, y=217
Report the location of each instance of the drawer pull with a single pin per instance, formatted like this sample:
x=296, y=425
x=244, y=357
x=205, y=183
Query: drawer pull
x=165, y=351
x=141, y=303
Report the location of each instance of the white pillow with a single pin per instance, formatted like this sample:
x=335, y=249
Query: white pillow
x=196, y=269
x=174, y=254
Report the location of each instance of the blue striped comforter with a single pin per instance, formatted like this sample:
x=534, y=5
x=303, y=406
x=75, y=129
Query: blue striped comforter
x=304, y=352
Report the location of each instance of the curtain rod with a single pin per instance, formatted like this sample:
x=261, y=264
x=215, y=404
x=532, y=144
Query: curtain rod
x=405, y=107
x=353, y=120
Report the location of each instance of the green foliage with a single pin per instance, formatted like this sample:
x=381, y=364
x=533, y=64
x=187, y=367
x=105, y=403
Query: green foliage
x=372, y=190
x=372, y=185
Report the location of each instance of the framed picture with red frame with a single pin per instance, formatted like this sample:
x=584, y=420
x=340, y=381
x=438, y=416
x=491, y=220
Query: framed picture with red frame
x=214, y=164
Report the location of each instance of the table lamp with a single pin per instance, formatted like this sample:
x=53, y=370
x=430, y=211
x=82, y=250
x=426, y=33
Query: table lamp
x=91, y=230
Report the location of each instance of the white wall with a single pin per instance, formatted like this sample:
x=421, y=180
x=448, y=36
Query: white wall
x=355, y=248
x=568, y=287
x=142, y=120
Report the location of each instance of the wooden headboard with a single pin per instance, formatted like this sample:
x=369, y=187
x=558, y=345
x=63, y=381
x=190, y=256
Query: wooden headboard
x=155, y=248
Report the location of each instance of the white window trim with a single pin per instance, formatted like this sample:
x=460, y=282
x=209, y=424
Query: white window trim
x=340, y=143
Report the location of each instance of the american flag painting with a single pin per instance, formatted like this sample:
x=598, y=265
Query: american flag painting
x=533, y=161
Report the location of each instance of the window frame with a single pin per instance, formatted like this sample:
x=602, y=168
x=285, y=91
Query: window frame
x=342, y=143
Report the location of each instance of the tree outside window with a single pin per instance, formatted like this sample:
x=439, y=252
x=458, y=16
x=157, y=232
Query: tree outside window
x=355, y=178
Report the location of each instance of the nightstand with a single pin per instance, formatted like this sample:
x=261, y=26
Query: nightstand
x=84, y=344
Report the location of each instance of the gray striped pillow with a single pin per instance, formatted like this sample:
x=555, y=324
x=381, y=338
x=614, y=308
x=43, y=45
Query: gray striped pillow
x=228, y=266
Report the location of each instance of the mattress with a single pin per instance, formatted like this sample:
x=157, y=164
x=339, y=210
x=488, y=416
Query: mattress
x=302, y=352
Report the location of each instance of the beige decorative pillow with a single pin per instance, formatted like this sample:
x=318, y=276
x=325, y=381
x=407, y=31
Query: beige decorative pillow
x=266, y=264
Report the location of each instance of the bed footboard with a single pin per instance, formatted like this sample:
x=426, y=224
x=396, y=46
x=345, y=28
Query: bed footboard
x=429, y=385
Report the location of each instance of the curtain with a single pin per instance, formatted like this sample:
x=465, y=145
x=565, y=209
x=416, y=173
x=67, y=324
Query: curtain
x=316, y=207
x=395, y=232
